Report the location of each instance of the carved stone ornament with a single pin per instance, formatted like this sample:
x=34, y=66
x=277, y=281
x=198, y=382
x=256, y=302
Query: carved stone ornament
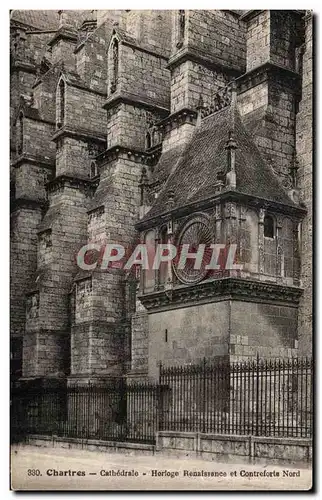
x=212, y=290
x=197, y=231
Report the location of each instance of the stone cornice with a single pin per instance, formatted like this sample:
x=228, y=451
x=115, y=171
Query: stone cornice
x=65, y=34
x=62, y=181
x=132, y=154
x=21, y=203
x=82, y=134
x=249, y=14
x=218, y=290
x=30, y=116
x=34, y=160
x=18, y=24
x=135, y=100
x=40, y=32
x=184, y=115
x=19, y=65
x=207, y=203
x=83, y=86
x=189, y=53
x=268, y=72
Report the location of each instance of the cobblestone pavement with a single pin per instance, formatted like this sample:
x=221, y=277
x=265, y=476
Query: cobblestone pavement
x=34, y=468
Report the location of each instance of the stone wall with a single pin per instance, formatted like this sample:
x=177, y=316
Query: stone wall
x=66, y=219
x=72, y=157
x=187, y=335
x=220, y=35
x=127, y=125
x=84, y=110
x=23, y=261
x=91, y=59
x=213, y=446
x=151, y=28
x=268, y=330
x=152, y=72
x=31, y=180
x=190, y=80
x=144, y=75
x=37, y=137
x=258, y=40
x=304, y=146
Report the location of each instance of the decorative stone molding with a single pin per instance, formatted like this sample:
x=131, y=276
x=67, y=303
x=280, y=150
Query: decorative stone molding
x=82, y=134
x=261, y=248
x=95, y=212
x=249, y=14
x=64, y=33
x=27, y=204
x=269, y=72
x=122, y=96
x=136, y=155
x=220, y=100
x=221, y=289
x=40, y=161
x=87, y=186
x=184, y=115
x=251, y=201
x=187, y=53
x=279, y=248
x=18, y=65
x=195, y=231
x=296, y=254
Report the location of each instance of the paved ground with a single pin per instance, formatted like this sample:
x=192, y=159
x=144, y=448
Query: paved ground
x=26, y=460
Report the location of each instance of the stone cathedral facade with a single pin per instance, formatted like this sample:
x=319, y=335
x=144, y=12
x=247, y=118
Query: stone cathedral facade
x=159, y=126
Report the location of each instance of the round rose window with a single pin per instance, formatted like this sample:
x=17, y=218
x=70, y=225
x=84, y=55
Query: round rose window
x=193, y=234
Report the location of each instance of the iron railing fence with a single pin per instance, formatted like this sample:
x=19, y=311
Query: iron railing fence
x=260, y=398
x=120, y=412
x=254, y=397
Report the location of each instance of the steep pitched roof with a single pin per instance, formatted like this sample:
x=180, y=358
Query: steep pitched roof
x=48, y=20
x=205, y=157
x=39, y=19
x=167, y=164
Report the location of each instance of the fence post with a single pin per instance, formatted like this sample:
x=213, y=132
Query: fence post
x=204, y=396
x=257, y=393
x=160, y=401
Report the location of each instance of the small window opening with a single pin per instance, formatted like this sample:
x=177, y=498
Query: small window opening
x=61, y=116
x=268, y=227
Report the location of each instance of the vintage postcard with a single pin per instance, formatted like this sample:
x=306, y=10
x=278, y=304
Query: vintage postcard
x=161, y=249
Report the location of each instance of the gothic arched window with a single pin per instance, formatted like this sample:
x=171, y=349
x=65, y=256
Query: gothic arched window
x=20, y=134
x=61, y=104
x=115, y=65
x=148, y=141
x=181, y=27
x=269, y=227
x=93, y=170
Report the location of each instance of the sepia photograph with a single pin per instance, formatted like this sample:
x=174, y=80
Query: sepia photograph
x=161, y=250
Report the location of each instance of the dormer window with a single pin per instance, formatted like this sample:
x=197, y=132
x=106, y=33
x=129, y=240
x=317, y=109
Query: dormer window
x=269, y=227
x=61, y=104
